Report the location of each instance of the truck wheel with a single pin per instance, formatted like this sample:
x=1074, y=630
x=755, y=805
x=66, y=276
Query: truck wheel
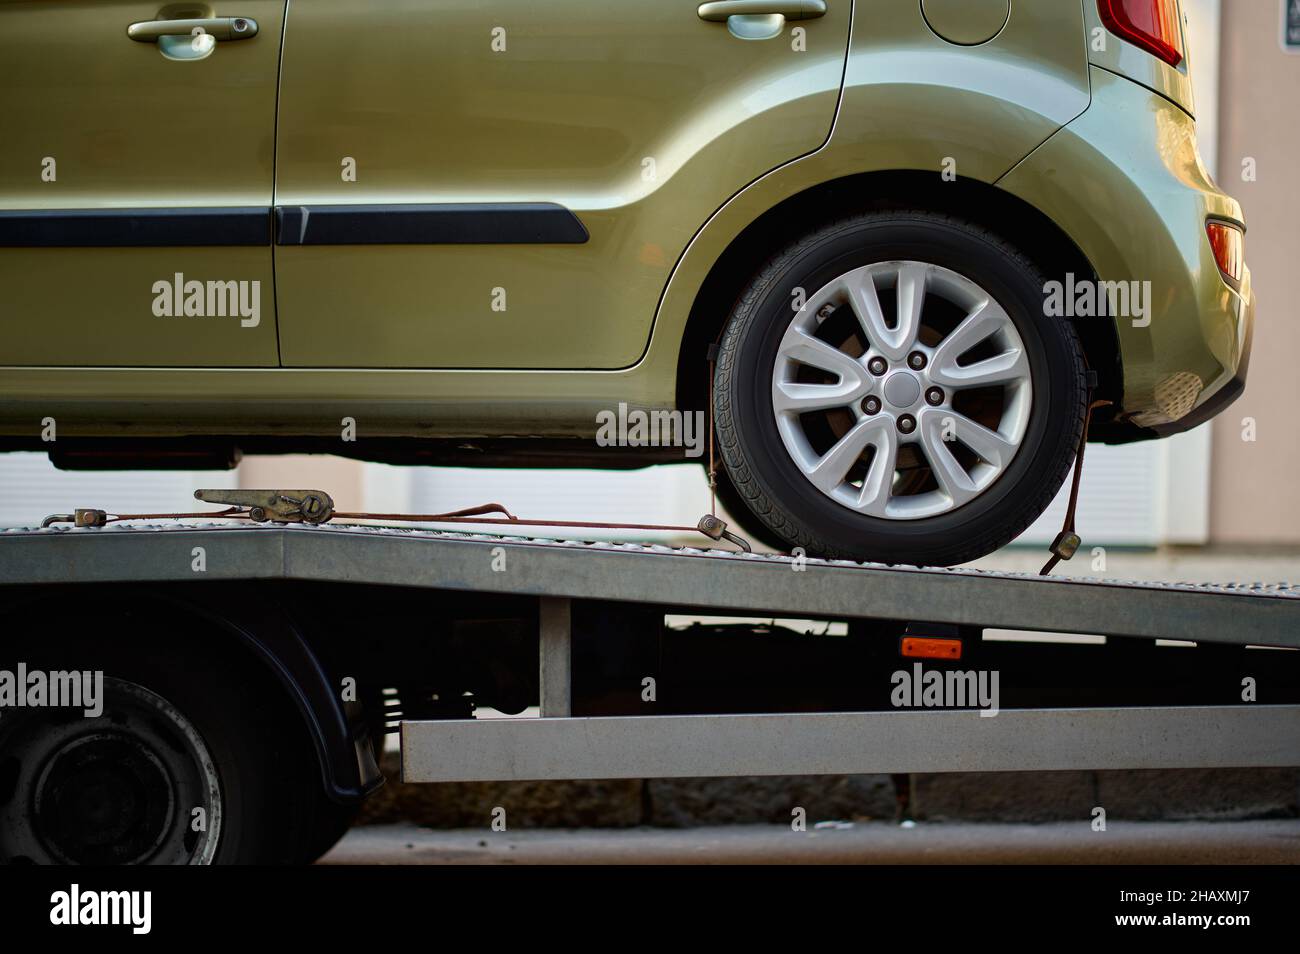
x=889, y=389
x=196, y=758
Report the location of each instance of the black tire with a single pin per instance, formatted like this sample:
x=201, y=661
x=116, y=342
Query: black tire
x=737, y=509
x=777, y=492
x=330, y=824
x=271, y=805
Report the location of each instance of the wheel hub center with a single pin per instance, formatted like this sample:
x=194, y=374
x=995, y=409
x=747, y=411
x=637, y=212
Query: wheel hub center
x=902, y=389
x=104, y=800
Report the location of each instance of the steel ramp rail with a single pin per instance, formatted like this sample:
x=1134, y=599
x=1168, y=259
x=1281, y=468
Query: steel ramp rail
x=850, y=743
x=684, y=577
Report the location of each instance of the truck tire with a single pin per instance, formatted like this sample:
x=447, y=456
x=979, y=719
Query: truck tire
x=197, y=758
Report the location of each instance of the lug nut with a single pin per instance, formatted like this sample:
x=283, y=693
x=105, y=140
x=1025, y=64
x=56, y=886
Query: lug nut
x=871, y=405
x=907, y=423
x=877, y=366
x=916, y=361
x=934, y=396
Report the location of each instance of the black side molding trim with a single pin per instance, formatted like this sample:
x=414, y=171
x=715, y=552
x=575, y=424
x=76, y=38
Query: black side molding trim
x=135, y=228
x=469, y=223
x=514, y=223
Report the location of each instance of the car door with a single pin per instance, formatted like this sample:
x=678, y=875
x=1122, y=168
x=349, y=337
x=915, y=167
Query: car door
x=136, y=175
x=508, y=184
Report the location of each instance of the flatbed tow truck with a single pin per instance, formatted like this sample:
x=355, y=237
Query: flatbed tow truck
x=340, y=633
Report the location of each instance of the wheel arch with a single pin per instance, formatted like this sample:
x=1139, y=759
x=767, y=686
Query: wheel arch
x=1017, y=221
x=257, y=632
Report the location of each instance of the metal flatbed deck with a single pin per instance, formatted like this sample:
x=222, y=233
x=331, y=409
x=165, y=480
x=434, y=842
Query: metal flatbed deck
x=712, y=579
x=723, y=582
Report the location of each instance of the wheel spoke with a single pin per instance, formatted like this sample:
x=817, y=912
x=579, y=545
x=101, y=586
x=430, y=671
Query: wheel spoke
x=863, y=298
x=877, y=485
x=805, y=349
x=865, y=303
x=987, y=319
x=1006, y=368
x=911, y=300
x=948, y=471
x=796, y=398
x=829, y=471
x=992, y=447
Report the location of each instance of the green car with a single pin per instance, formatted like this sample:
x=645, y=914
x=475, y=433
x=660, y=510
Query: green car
x=895, y=249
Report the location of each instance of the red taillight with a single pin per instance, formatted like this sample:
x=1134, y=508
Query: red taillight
x=1150, y=24
x=1229, y=248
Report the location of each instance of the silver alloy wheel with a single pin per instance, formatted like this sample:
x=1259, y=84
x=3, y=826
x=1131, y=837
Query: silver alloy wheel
x=895, y=380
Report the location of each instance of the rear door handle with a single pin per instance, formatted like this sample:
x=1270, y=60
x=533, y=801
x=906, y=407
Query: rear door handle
x=790, y=9
x=219, y=28
x=759, y=19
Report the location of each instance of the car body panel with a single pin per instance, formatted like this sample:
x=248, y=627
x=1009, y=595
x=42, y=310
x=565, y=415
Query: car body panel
x=640, y=118
x=911, y=102
x=1126, y=181
x=127, y=128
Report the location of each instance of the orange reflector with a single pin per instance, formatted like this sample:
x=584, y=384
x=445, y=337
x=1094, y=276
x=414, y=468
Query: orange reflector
x=931, y=647
x=1227, y=242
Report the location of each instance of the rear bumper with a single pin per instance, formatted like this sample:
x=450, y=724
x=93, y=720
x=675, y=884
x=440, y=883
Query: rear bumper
x=1126, y=183
x=1209, y=405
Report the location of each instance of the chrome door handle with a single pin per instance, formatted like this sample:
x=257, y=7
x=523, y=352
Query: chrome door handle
x=718, y=10
x=759, y=19
x=219, y=28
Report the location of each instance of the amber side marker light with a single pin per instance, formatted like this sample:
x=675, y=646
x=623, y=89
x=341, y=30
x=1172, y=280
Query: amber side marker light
x=1151, y=24
x=1229, y=248
x=931, y=647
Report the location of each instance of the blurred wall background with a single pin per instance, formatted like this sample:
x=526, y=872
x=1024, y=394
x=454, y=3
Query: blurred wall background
x=1255, y=486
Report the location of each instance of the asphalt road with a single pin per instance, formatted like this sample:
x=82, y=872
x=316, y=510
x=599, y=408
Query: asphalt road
x=1158, y=843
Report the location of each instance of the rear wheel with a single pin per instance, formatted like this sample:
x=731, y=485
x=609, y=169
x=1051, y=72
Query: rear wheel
x=889, y=388
x=196, y=758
